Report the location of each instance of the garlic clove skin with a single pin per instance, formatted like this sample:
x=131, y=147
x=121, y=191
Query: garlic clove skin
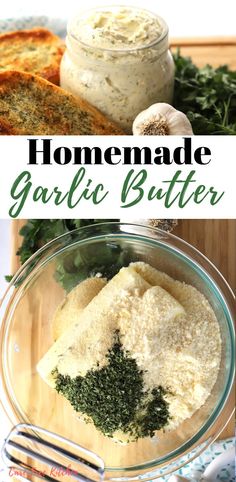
x=167, y=225
x=162, y=119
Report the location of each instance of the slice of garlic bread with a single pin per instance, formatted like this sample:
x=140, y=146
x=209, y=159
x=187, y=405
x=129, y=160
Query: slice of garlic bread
x=37, y=51
x=30, y=105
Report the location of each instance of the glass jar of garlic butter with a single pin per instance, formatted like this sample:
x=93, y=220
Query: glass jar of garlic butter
x=117, y=58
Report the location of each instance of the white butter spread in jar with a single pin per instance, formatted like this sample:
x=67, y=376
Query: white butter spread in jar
x=117, y=58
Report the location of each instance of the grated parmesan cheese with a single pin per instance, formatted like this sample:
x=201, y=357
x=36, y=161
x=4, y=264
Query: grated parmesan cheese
x=168, y=326
x=182, y=353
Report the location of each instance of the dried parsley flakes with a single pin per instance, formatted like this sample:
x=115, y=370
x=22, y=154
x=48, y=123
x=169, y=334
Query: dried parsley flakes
x=114, y=397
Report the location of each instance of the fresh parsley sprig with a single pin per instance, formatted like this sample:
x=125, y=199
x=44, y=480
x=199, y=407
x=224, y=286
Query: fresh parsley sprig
x=78, y=265
x=206, y=95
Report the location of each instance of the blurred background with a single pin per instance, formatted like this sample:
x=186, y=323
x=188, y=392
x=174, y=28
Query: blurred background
x=185, y=18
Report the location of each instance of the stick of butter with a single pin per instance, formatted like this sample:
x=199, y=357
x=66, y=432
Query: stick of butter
x=84, y=344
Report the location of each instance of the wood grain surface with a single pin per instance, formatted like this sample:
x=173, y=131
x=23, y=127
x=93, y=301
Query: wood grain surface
x=213, y=50
x=216, y=239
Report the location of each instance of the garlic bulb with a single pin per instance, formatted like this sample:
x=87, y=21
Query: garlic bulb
x=164, y=224
x=161, y=120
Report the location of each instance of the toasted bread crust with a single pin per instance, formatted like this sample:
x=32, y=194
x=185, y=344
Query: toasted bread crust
x=30, y=105
x=37, y=51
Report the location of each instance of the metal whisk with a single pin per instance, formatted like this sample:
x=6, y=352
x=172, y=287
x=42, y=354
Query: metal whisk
x=30, y=451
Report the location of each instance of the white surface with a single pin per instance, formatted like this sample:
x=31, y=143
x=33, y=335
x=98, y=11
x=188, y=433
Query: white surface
x=119, y=192
x=213, y=469
x=184, y=17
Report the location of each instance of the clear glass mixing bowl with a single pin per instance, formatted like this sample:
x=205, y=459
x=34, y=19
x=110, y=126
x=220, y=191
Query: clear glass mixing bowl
x=27, y=309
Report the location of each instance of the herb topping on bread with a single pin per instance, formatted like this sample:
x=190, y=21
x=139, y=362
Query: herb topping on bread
x=37, y=51
x=30, y=105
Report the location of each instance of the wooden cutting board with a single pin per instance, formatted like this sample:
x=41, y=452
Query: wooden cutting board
x=214, y=238
x=214, y=51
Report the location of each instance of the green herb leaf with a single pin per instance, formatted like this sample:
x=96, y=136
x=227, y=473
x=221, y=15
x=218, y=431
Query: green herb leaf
x=69, y=271
x=8, y=278
x=114, y=397
x=206, y=95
